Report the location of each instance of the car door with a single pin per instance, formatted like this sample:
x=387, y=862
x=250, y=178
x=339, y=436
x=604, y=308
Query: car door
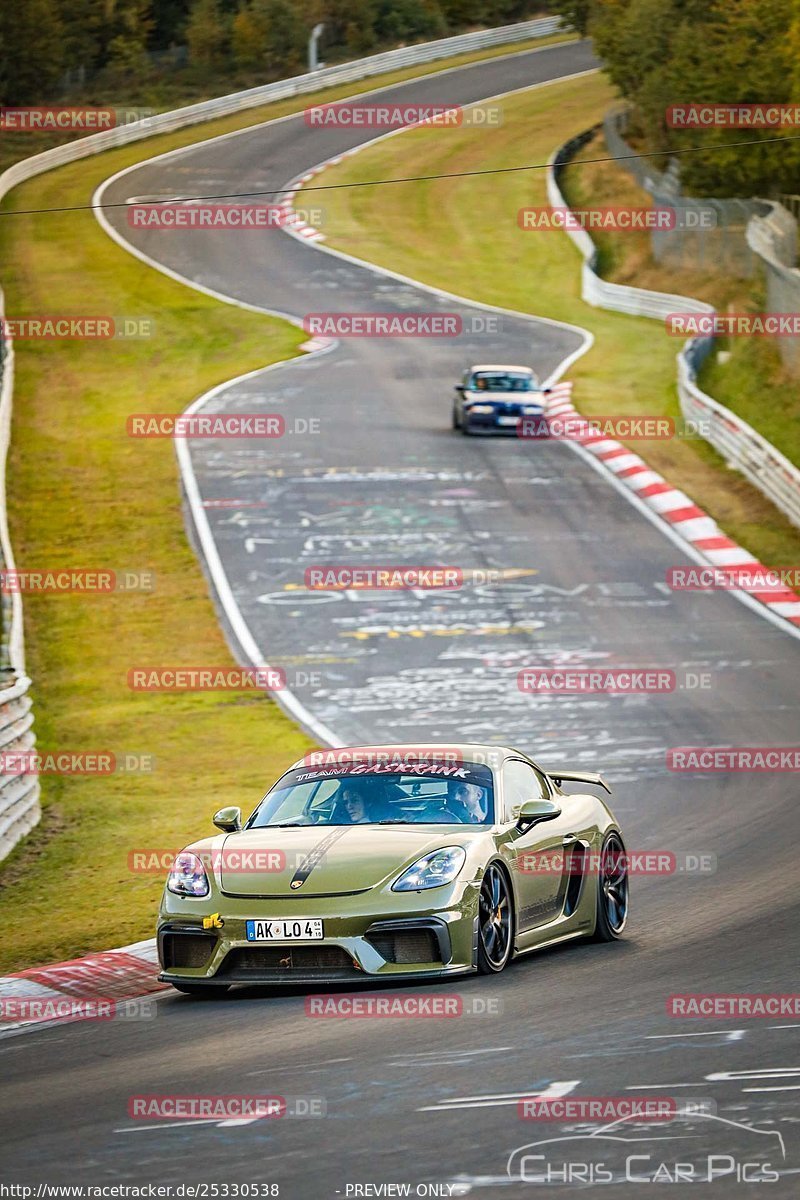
x=541, y=852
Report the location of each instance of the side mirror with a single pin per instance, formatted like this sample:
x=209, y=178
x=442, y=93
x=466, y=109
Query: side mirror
x=534, y=811
x=229, y=820
x=460, y=388
x=547, y=391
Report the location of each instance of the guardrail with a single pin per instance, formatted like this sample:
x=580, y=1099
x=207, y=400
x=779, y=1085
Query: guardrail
x=19, y=792
x=595, y=290
x=208, y=110
x=739, y=444
x=711, y=232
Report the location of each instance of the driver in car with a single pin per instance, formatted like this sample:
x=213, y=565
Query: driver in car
x=467, y=801
x=360, y=807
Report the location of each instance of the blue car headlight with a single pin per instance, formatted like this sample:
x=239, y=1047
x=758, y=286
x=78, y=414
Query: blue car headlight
x=432, y=870
x=479, y=408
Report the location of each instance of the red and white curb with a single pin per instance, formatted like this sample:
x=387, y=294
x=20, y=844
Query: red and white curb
x=674, y=508
x=97, y=986
x=678, y=511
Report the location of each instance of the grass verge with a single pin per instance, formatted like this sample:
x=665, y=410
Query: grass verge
x=83, y=495
x=749, y=376
x=19, y=144
x=462, y=235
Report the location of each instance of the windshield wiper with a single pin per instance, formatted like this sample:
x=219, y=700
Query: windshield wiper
x=397, y=821
x=287, y=825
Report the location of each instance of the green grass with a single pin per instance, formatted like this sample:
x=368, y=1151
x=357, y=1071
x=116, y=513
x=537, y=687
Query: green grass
x=15, y=146
x=753, y=382
x=462, y=235
x=82, y=494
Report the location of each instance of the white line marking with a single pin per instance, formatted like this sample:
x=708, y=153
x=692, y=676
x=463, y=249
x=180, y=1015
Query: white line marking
x=653, y=517
x=553, y=1091
x=646, y=1087
x=732, y=1035
x=166, y=1125
x=793, y=1087
x=763, y=1073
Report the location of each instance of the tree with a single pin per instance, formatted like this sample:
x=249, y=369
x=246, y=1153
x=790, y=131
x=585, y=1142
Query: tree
x=410, y=20
x=32, y=38
x=249, y=35
x=359, y=32
x=577, y=13
x=661, y=53
x=207, y=34
x=287, y=36
x=127, y=51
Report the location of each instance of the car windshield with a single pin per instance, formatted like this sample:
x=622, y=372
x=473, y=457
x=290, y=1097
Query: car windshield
x=502, y=382
x=413, y=795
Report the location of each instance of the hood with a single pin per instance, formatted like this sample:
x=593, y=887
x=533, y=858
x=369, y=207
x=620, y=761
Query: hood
x=327, y=860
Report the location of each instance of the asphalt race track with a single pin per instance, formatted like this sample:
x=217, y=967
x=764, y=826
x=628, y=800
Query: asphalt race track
x=386, y=481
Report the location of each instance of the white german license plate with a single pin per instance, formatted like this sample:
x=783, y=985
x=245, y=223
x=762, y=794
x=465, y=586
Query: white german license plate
x=284, y=931
x=508, y=420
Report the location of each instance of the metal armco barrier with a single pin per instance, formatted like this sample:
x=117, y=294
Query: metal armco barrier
x=298, y=85
x=19, y=795
x=739, y=444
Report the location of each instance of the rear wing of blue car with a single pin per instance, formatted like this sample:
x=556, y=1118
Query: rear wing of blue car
x=559, y=777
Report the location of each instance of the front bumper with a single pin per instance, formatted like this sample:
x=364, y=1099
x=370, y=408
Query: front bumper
x=508, y=421
x=421, y=942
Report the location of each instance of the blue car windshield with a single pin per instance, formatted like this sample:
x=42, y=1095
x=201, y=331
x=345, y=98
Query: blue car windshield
x=484, y=381
x=418, y=794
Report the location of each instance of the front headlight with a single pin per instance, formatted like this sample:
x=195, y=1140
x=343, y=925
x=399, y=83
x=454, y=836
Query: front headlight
x=531, y=410
x=481, y=408
x=433, y=870
x=188, y=876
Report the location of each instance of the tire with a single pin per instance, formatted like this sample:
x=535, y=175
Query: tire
x=612, y=891
x=495, y=921
x=456, y=422
x=199, y=989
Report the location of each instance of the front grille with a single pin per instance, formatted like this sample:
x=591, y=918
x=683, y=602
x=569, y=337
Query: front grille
x=186, y=949
x=407, y=946
x=287, y=960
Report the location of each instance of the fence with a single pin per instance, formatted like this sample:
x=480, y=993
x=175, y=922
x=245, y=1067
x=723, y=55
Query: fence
x=773, y=238
x=595, y=290
x=792, y=203
x=741, y=446
x=19, y=792
x=732, y=237
x=710, y=234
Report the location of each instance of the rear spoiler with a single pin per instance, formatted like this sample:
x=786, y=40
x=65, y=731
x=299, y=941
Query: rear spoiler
x=558, y=777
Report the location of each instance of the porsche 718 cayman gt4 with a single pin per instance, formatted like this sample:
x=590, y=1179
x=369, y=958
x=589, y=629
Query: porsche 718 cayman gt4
x=394, y=861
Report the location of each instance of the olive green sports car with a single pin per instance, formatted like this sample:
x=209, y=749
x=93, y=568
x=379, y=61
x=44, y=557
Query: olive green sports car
x=394, y=861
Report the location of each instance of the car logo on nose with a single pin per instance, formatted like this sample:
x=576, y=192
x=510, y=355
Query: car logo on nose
x=296, y=883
